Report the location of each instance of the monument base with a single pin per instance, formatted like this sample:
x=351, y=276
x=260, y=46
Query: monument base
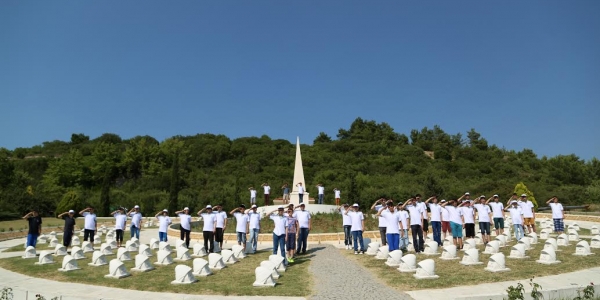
x=295, y=199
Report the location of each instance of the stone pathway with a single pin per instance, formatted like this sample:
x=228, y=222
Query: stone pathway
x=336, y=277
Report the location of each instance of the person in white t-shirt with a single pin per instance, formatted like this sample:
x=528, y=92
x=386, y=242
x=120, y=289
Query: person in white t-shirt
x=498, y=214
x=221, y=225
x=347, y=224
x=209, y=229
x=558, y=214
x=528, y=213
x=120, y=220
x=337, y=194
x=305, y=225
x=252, y=195
x=456, y=218
x=241, y=227
x=266, y=192
x=404, y=231
x=436, y=219
x=300, y=192
x=185, y=225
x=279, y=232
x=394, y=225
x=423, y=207
x=377, y=206
x=90, y=225
x=321, y=192
x=163, y=224
x=469, y=218
x=358, y=224
x=415, y=212
x=254, y=226
x=516, y=214
x=483, y=216
x=136, y=221
x=445, y=219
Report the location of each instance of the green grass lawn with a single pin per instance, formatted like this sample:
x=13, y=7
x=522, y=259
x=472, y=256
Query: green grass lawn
x=452, y=273
x=236, y=279
x=17, y=225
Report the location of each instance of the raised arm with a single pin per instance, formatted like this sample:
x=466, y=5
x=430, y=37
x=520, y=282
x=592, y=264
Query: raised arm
x=380, y=211
x=551, y=199
x=61, y=215
x=84, y=210
x=461, y=197
x=430, y=198
x=200, y=211
x=375, y=204
x=234, y=210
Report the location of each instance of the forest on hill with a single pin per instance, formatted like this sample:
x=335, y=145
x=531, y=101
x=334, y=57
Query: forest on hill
x=367, y=161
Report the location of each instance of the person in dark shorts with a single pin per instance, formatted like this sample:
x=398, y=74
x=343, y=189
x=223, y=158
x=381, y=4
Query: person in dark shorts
x=290, y=233
x=35, y=227
x=69, y=228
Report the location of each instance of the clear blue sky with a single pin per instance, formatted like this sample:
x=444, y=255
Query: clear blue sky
x=525, y=74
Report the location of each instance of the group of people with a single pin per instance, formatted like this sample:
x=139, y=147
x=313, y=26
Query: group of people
x=444, y=217
x=286, y=193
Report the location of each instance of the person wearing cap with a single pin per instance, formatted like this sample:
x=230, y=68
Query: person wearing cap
x=208, y=231
x=404, y=217
x=241, y=226
x=69, y=228
x=455, y=215
x=163, y=224
x=483, y=216
x=185, y=225
x=221, y=217
x=321, y=192
x=423, y=208
x=266, y=192
x=445, y=219
x=516, y=214
x=347, y=225
x=290, y=234
x=280, y=222
x=415, y=213
x=35, y=227
x=300, y=192
x=90, y=225
x=254, y=226
x=286, y=193
x=358, y=225
x=393, y=220
x=305, y=224
x=252, y=195
x=337, y=193
x=468, y=218
x=136, y=221
x=120, y=220
x=436, y=218
x=377, y=206
x=558, y=214
x=528, y=213
x=497, y=213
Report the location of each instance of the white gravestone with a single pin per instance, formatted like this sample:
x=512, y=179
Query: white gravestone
x=131, y=246
x=551, y=243
x=45, y=258
x=518, y=251
x=469, y=244
x=142, y=264
x=112, y=244
x=179, y=243
x=382, y=252
x=228, y=257
x=53, y=242
x=583, y=249
x=501, y=239
x=238, y=251
x=75, y=241
x=408, y=264
x=77, y=253
x=183, y=254
x=163, y=258
x=29, y=253
x=471, y=257
x=183, y=275
x=431, y=248
x=199, y=251
x=525, y=241
x=497, y=263
x=449, y=252
x=145, y=250
x=595, y=242
x=105, y=249
x=373, y=248
x=263, y=277
x=278, y=260
x=478, y=239
x=153, y=244
x=574, y=236
x=98, y=259
x=201, y=267
x=117, y=270
x=215, y=261
x=42, y=239
x=544, y=234
x=594, y=230
x=562, y=240
x=165, y=246
x=271, y=266
x=533, y=238
x=548, y=257
x=87, y=247
x=60, y=250
x=69, y=264
x=492, y=247
x=426, y=270
x=97, y=240
x=394, y=258
x=123, y=254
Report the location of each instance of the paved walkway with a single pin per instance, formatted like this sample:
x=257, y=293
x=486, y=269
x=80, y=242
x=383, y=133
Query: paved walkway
x=336, y=277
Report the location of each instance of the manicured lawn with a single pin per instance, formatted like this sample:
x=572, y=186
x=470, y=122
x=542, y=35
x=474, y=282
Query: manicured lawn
x=236, y=279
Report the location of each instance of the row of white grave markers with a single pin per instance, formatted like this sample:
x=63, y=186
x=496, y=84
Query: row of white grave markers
x=269, y=271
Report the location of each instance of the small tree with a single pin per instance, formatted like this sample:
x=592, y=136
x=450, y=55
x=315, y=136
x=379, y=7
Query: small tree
x=521, y=188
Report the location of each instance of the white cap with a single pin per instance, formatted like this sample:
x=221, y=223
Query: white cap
x=467, y=193
x=137, y=206
x=187, y=208
x=71, y=211
x=482, y=196
x=165, y=210
x=443, y=200
x=495, y=195
x=523, y=195
x=254, y=206
x=355, y=204
x=280, y=207
x=209, y=206
x=513, y=202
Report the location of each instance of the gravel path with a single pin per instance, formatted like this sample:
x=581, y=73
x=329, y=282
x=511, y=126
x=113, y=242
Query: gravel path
x=336, y=277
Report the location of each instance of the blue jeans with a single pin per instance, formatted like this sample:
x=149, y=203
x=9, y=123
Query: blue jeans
x=32, y=240
x=404, y=239
x=347, y=235
x=437, y=231
x=254, y=238
x=135, y=232
x=301, y=196
x=302, y=238
x=162, y=236
x=279, y=241
x=320, y=198
x=393, y=240
x=518, y=231
x=358, y=238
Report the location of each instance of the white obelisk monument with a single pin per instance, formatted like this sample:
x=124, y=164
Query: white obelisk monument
x=298, y=177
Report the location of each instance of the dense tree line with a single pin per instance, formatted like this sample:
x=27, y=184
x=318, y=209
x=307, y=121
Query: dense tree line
x=367, y=161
